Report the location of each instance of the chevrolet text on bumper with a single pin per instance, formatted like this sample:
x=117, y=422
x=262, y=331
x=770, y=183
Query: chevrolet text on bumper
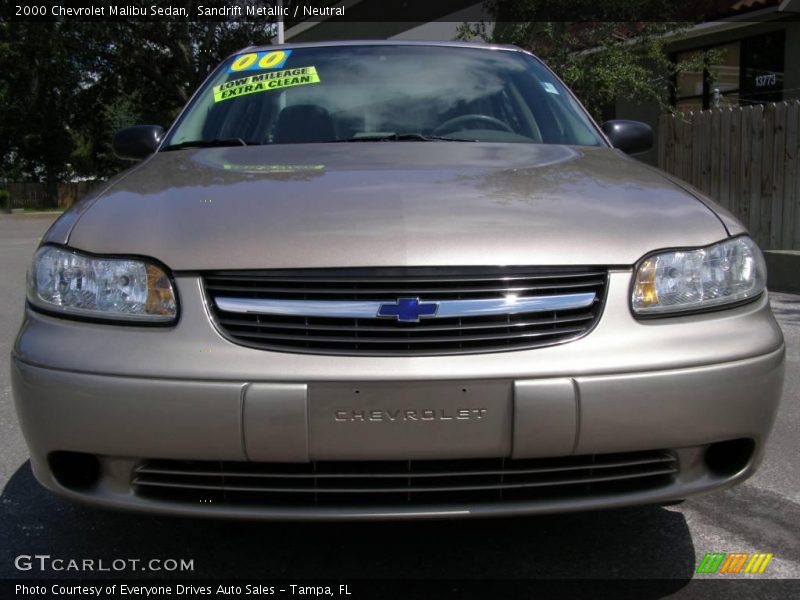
x=345, y=286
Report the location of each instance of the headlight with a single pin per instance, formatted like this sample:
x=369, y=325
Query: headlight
x=104, y=288
x=687, y=280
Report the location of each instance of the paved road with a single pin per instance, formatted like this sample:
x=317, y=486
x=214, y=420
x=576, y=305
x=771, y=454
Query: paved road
x=761, y=515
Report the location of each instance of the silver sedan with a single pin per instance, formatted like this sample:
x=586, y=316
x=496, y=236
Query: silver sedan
x=393, y=280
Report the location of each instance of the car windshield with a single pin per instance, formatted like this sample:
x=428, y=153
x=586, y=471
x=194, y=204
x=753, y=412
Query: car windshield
x=382, y=93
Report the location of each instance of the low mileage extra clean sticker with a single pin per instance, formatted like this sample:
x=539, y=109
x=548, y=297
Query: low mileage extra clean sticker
x=265, y=82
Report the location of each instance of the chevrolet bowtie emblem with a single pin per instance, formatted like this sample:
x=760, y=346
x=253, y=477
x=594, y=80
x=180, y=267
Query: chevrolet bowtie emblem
x=408, y=310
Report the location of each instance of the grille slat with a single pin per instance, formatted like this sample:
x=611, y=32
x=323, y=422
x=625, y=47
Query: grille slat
x=148, y=469
x=382, y=292
x=421, y=326
x=415, y=339
x=443, y=279
x=387, y=337
x=404, y=481
x=417, y=489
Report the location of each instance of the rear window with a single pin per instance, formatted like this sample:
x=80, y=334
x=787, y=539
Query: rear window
x=344, y=93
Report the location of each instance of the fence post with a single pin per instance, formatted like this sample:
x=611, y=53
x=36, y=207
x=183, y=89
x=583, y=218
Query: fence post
x=790, y=220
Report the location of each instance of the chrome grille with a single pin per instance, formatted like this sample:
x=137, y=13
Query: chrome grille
x=379, y=336
x=403, y=482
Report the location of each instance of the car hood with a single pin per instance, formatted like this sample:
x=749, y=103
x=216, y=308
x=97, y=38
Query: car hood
x=391, y=204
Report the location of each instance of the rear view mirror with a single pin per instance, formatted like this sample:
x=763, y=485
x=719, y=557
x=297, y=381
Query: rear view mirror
x=137, y=142
x=629, y=136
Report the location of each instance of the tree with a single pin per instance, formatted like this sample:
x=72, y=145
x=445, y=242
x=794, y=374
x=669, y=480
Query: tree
x=146, y=72
x=41, y=66
x=605, y=56
x=68, y=85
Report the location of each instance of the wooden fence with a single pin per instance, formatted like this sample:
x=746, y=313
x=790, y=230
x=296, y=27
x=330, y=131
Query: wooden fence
x=34, y=195
x=745, y=158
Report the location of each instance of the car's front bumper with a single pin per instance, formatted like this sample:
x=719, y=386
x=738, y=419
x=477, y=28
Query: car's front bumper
x=185, y=393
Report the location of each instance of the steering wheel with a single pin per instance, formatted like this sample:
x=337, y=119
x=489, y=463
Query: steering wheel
x=454, y=124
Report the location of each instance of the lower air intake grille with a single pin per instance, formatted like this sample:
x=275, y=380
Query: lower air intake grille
x=402, y=482
x=312, y=310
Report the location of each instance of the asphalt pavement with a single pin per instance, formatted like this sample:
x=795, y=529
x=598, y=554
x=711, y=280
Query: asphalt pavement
x=761, y=515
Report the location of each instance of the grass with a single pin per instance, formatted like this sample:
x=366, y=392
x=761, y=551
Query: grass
x=43, y=210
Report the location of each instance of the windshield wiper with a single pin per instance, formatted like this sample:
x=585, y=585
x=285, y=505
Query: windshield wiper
x=403, y=137
x=215, y=143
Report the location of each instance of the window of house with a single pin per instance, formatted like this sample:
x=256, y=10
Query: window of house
x=749, y=71
x=690, y=83
x=723, y=71
x=762, y=69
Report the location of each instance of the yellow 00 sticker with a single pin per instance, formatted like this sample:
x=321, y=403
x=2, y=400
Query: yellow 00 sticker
x=259, y=60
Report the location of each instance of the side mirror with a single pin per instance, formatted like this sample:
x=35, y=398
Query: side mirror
x=137, y=142
x=629, y=136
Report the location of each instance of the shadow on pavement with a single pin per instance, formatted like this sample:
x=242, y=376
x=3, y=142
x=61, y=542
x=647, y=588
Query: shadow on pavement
x=647, y=542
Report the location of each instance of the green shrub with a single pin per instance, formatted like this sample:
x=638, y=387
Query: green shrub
x=5, y=200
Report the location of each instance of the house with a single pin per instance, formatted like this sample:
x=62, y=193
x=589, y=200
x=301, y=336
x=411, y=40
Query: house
x=755, y=59
x=755, y=43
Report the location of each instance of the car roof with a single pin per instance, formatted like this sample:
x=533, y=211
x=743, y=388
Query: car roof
x=339, y=43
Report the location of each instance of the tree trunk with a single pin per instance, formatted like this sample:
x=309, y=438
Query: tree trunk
x=51, y=187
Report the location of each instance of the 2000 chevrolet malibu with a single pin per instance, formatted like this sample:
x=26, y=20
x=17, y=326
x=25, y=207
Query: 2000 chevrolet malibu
x=393, y=280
